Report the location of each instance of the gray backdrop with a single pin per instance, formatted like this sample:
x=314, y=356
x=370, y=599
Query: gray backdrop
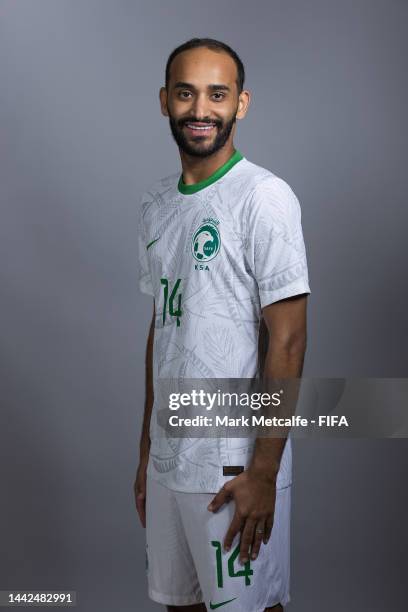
x=81, y=137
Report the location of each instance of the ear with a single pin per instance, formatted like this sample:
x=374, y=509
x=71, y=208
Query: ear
x=163, y=101
x=243, y=103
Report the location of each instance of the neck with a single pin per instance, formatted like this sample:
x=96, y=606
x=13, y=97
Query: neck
x=196, y=169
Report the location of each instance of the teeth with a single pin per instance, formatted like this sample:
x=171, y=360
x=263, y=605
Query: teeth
x=199, y=127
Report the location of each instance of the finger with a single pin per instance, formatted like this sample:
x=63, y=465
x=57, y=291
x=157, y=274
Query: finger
x=268, y=529
x=141, y=507
x=139, y=485
x=139, y=488
x=257, y=541
x=223, y=496
x=246, y=540
x=234, y=528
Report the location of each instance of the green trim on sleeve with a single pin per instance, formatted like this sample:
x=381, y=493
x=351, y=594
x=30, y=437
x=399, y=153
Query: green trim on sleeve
x=189, y=189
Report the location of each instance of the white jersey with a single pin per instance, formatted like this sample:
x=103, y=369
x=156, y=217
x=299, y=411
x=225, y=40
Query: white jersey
x=212, y=255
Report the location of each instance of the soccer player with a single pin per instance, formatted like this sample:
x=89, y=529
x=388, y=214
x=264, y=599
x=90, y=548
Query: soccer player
x=222, y=253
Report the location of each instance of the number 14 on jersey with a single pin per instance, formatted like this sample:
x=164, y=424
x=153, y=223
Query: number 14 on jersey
x=169, y=300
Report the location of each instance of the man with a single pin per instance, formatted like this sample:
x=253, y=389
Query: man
x=221, y=246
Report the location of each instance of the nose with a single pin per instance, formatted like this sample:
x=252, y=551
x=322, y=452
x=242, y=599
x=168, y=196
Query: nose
x=200, y=106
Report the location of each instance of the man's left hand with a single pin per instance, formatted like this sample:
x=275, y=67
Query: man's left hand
x=254, y=493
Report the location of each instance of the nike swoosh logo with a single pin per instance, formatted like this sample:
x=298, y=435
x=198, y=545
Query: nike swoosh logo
x=152, y=242
x=218, y=605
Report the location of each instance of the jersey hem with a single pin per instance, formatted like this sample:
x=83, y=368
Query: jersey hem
x=279, y=487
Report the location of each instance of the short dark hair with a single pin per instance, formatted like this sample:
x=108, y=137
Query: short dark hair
x=214, y=45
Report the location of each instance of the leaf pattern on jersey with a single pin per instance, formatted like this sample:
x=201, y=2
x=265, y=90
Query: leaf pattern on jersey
x=204, y=453
x=179, y=445
x=165, y=465
x=221, y=308
x=219, y=347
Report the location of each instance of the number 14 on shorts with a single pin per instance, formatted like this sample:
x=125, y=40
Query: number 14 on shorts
x=245, y=572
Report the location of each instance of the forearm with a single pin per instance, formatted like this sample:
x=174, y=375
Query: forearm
x=284, y=360
x=149, y=396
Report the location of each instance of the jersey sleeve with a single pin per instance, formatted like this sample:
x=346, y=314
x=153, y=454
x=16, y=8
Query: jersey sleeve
x=145, y=279
x=275, y=248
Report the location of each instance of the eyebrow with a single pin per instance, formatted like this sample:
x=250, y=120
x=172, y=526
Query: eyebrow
x=212, y=87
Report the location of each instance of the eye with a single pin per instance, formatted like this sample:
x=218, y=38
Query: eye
x=184, y=94
x=218, y=96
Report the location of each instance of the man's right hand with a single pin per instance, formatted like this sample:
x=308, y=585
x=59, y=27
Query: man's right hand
x=140, y=491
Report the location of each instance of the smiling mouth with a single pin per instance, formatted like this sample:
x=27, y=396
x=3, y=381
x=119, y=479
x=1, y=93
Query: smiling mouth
x=201, y=129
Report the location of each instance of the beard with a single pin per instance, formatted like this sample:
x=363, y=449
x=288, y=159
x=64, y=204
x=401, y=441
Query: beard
x=200, y=148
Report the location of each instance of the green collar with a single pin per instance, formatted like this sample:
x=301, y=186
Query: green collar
x=188, y=189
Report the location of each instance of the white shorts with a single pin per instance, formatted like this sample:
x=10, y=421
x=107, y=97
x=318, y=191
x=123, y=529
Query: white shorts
x=186, y=563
